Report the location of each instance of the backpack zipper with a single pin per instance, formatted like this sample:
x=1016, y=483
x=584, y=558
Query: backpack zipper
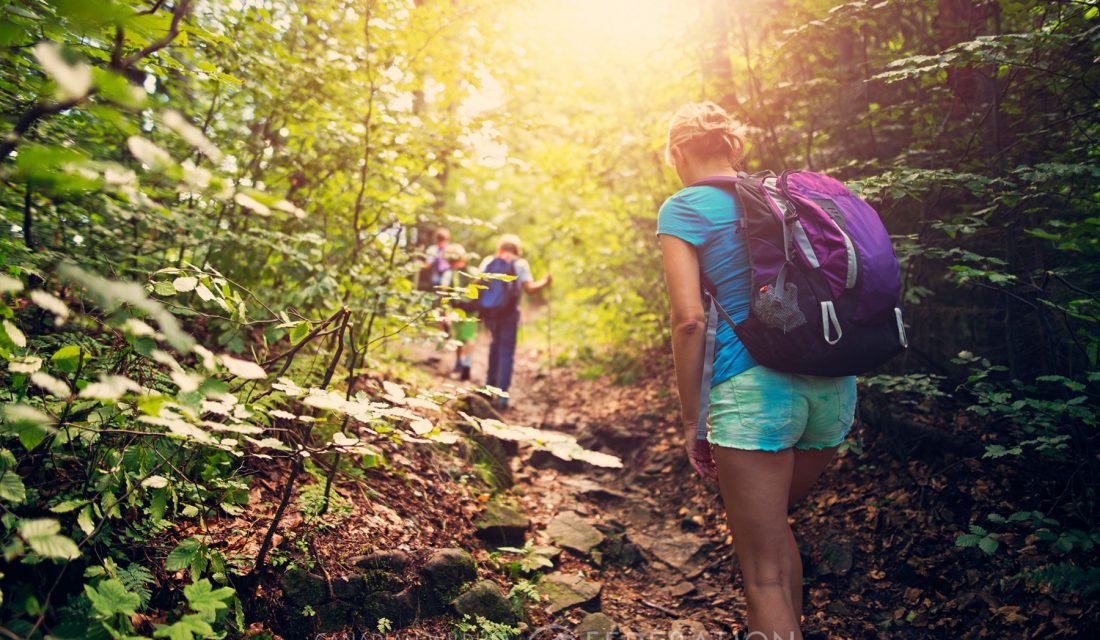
x=852, y=273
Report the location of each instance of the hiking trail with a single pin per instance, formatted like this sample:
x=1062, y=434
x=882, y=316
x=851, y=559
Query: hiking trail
x=647, y=545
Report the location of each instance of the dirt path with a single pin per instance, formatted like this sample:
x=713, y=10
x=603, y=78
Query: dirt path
x=876, y=534
x=677, y=563
x=643, y=503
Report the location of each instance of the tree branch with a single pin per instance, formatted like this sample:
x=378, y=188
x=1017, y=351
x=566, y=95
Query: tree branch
x=42, y=109
x=157, y=45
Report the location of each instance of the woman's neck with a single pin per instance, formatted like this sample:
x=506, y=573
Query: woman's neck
x=695, y=173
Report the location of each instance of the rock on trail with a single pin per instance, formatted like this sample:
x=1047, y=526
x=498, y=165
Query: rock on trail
x=569, y=530
x=567, y=590
x=502, y=524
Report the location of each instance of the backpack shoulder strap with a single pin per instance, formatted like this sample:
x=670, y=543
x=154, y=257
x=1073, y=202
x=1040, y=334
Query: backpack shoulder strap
x=723, y=182
x=708, y=369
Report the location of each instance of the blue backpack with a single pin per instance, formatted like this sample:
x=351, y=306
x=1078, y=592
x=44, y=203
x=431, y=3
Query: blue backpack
x=501, y=296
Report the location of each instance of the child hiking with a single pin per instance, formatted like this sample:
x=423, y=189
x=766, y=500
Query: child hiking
x=499, y=304
x=434, y=263
x=463, y=329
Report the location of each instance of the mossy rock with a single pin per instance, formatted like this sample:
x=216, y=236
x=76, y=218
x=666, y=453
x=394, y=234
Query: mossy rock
x=502, y=524
x=492, y=455
x=570, y=530
x=399, y=608
x=444, y=573
x=389, y=559
x=485, y=599
x=568, y=590
x=349, y=588
x=596, y=626
x=303, y=588
x=382, y=580
x=333, y=616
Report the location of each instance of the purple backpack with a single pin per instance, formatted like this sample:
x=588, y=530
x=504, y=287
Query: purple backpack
x=825, y=278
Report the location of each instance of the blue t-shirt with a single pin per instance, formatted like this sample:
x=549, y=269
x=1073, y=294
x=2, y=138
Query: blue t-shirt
x=705, y=217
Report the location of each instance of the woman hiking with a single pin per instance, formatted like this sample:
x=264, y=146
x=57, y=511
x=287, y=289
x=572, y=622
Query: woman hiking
x=771, y=434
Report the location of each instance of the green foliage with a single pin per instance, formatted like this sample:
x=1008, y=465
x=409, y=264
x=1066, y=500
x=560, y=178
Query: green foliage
x=162, y=258
x=198, y=558
x=1044, y=417
x=522, y=593
x=137, y=579
x=917, y=390
x=480, y=627
x=980, y=538
x=43, y=537
x=1064, y=577
x=533, y=557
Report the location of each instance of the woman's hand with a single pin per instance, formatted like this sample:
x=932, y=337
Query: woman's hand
x=700, y=456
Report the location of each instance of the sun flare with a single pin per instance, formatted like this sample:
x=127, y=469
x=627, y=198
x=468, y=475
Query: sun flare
x=612, y=28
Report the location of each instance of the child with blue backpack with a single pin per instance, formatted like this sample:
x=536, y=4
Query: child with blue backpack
x=499, y=308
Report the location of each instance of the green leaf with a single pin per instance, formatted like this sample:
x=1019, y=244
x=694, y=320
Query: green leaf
x=155, y=482
x=164, y=289
x=30, y=425
x=111, y=597
x=44, y=538
x=111, y=294
x=84, y=520
x=7, y=460
x=988, y=545
x=181, y=557
x=205, y=599
x=300, y=331
x=967, y=540
x=67, y=506
x=11, y=487
x=158, y=505
x=188, y=627
x=67, y=358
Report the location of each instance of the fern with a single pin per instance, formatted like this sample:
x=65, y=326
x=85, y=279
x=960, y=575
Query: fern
x=1064, y=577
x=135, y=578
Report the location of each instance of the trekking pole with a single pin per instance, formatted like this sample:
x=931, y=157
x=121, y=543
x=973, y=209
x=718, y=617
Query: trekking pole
x=549, y=335
x=549, y=397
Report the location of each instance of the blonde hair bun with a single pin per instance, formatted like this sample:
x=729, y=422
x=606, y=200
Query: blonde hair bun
x=704, y=128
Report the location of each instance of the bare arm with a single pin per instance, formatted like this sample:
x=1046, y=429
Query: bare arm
x=532, y=286
x=688, y=324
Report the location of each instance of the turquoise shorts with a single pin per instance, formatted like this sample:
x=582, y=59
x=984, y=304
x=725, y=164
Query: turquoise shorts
x=764, y=409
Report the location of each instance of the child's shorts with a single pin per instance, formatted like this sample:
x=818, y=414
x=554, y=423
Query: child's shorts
x=762, y=408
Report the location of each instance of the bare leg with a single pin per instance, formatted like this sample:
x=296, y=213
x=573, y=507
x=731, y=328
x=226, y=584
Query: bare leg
x=808, y=466
x=796, y=578
x=755, y=488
